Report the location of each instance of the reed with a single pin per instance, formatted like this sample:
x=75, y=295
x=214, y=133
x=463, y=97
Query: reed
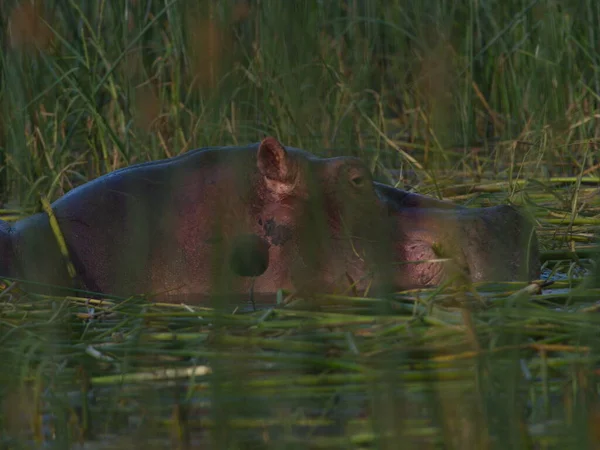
x=481, y=102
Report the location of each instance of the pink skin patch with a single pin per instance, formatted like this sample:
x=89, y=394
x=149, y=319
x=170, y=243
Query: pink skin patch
x=415, y=263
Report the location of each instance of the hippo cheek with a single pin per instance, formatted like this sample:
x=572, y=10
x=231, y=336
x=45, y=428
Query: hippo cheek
x=358, y=278
x=417, y=265
x=276, y=227
x=361, y=266
x=308, y=277
x=277, y=276
x=328, y=270
x=291, y=268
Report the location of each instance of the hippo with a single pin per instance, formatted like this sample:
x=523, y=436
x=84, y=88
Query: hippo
x=186, y=225
x=495, y=243
x=262, y=217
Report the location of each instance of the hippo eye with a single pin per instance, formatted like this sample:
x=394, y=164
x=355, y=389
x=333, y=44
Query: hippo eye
x=358, y=181
x=357, y=176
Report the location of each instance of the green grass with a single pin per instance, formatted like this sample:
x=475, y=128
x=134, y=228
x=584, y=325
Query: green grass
x=482, y=102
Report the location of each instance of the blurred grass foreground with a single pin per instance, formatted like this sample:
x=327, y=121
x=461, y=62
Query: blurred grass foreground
x=481, y=102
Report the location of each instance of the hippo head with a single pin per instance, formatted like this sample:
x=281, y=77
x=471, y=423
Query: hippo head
x=432, y=245
x=320, y=218
x=216, y=220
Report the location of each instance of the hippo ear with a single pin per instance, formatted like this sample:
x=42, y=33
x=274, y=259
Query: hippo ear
x=274, y=162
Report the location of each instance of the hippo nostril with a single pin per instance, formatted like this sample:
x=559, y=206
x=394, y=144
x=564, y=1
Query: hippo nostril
x=249, y=256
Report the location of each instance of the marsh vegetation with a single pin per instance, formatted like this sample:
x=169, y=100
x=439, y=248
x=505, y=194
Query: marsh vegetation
x=479, y=102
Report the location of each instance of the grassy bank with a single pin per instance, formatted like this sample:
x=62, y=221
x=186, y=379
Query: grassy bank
x=481, y=102
x=488, y=86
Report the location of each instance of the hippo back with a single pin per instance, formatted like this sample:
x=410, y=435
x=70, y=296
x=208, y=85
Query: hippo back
x=397, y=199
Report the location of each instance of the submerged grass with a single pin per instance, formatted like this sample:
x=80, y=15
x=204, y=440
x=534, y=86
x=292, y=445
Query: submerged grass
x=317, y=378
x=480, y=102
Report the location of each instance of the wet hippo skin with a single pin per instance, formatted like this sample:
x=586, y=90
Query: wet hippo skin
x=221, y=219
x=485, y=244
x=173, y=227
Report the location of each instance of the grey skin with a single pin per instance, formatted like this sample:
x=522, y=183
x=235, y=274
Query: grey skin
x=171, y=228
x=220, y=220
x=480, y=244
